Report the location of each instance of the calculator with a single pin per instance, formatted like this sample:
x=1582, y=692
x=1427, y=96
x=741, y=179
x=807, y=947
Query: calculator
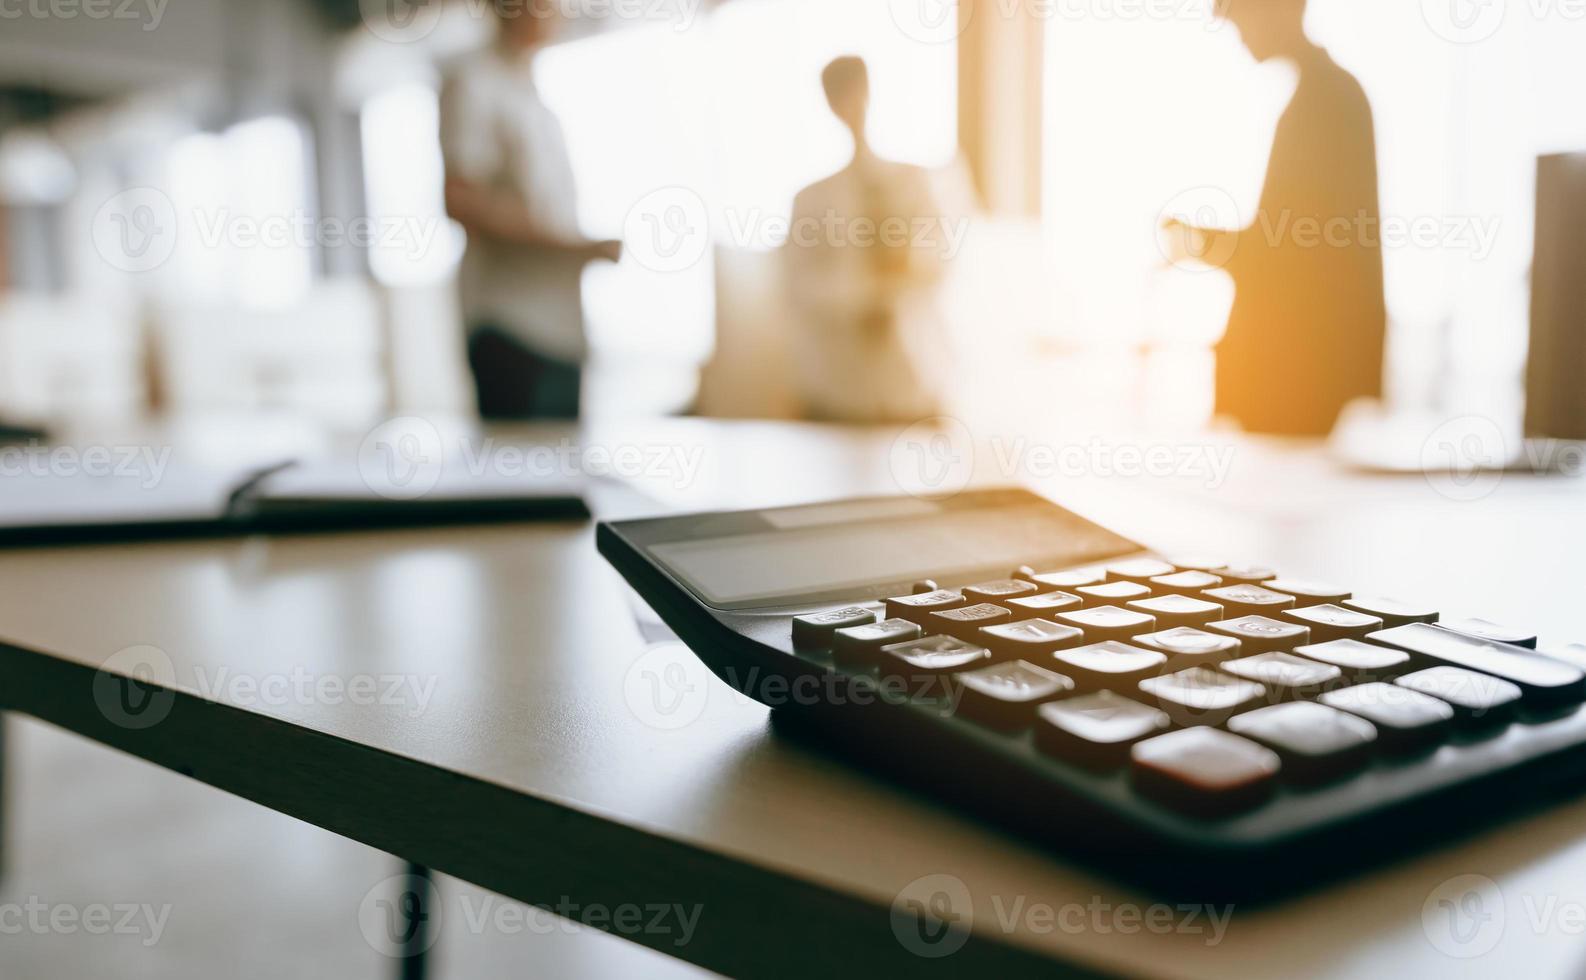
x=1209, y=729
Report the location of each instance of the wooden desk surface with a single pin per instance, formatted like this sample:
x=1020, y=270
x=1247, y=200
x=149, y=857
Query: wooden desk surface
x=507, y=738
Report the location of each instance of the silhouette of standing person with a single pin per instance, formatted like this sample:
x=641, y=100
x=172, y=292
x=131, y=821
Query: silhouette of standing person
x=509, y=182
x=1308, y=327
x=864, y=263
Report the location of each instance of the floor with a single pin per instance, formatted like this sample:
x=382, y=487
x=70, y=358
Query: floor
x=120, y=868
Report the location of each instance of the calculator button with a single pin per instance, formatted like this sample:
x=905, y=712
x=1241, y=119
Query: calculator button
x=923, y=586
x=1108, y=622
x=1477, y=699
x=1483, y=629
x=1199, y=563
x=1243, y=600
x=1177, y=610
x=1204, y=771
x=860, y=646
x=1360, y=662
x=924, y=665
x=1391, y=611
x=999, y=591
x=1043, y=606
x=1138, y=570
x=964, y=621
x=1005, y=695
x=1198, y=696
x=1287, y=677
x=816, y=629
x=1029, y=639
x=1070, y=580
x=1330, y=622
x=1308, y=593
x=1185, y=583
x=1316, y=743
x=1258, y=634
x=1244, y=574
x=917, y=607
x=1112, y=593
x=1187, y=647
x=1405, y=719
x=1542, y=680
x=1110, y=664
x=1096, y=730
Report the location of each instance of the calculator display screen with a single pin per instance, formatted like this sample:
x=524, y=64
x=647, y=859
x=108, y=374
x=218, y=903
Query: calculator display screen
x=873, y=558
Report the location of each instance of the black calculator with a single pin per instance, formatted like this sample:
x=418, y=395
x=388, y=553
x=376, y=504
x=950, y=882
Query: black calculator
x=1207, y=728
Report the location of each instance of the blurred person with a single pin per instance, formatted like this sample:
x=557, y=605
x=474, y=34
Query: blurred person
x=1308, y=327
x=510, y=184
x=870, y=339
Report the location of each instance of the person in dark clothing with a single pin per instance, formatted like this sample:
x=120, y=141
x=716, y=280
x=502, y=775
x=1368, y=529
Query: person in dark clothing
x=1308, y=327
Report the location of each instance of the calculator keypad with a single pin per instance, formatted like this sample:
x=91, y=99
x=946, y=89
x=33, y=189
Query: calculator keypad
x=1211, y=682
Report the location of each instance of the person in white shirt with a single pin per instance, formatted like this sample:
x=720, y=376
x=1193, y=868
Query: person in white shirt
x=864, y=262
x=510, y=184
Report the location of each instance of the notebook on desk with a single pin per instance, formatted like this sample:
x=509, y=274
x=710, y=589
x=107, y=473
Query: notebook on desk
x=304, y=495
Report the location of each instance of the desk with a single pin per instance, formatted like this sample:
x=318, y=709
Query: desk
x=531, y=769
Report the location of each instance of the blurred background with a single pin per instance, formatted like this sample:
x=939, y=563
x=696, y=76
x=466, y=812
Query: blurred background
x=1078, y=124
x=232, y=208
